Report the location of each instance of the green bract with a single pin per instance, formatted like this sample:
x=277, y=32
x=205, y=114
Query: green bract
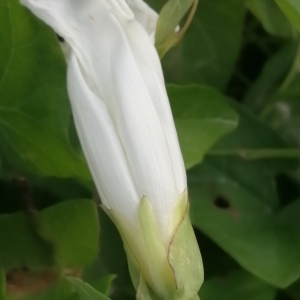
x=158, y=271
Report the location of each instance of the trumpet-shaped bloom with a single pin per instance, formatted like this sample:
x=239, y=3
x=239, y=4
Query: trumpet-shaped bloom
x=121, y=109
x=119, y=103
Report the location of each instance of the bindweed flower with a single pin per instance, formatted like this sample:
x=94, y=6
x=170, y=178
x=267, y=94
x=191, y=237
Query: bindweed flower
x=125, y=126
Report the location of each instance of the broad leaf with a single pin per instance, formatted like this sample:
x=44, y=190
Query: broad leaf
x=85, y=291
x=284, y=116
x=169, y=18
x=72, y=228
x=209, y=49
x=251, y=133
x=2, y=284
x=233, y=201
x=103, y=284
x=294, y=290
x=20, y=244
x=271, y=17
x=59, y=290
x=202, y=116
x=271, y=78
x=292, y=10
x=244, y=226
x=35, y=113
x=65, y=234
x=236, y=285
x=111, y=262
x=289, y=216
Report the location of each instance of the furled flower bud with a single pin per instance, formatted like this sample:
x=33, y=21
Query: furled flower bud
x=124, y=122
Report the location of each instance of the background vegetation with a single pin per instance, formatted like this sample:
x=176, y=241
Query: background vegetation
x=234, y=88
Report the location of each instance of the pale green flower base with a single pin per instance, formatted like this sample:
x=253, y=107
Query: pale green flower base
x=157, y=273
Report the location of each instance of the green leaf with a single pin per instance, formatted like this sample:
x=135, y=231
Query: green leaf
x=169, y=17
x=109, y=239
x=72, y=227
x=2, y=284
x=202, y=116
x=107, y=262
x=236, y=285
x=243, y=225
x=289, y=216
x=271, y=17
x=294, y=290
x=85, y=291
x=209, y=252
x=59, y=290
x=210, y=48
x=20, y=244
x=103, y=284
x=292, y=10
x=233, y=201
x=231, y=154
x=284, y=116
x=35, y=113
x=271, y=78
x=251, y=133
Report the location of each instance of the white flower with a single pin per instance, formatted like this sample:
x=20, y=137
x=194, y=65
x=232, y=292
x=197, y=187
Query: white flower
x=121, y=109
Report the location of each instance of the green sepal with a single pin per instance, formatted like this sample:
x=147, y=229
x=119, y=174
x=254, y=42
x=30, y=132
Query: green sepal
x=142, y=290
x=186, y=261
x=161, y=272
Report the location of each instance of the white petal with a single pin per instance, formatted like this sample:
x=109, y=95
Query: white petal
x=102, y=148
x=144, y=14
x=143, y=136
x=120, y=66
x=149, y=65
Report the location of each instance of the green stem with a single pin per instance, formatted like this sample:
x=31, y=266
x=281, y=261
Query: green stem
x=295, y=69
x=258, y=153
x=189, y=20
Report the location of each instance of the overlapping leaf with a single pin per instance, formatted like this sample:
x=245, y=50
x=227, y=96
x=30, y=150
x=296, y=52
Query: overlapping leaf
x=65, y=234
x=292, y=10
x=72, y=228
x=85, y=291
x=271, y=78
x=236, y=284
x=271, y=17
x=210, y=47
x=34, y=108
x=21, y=245
x=234, y=202
x=202, y=116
